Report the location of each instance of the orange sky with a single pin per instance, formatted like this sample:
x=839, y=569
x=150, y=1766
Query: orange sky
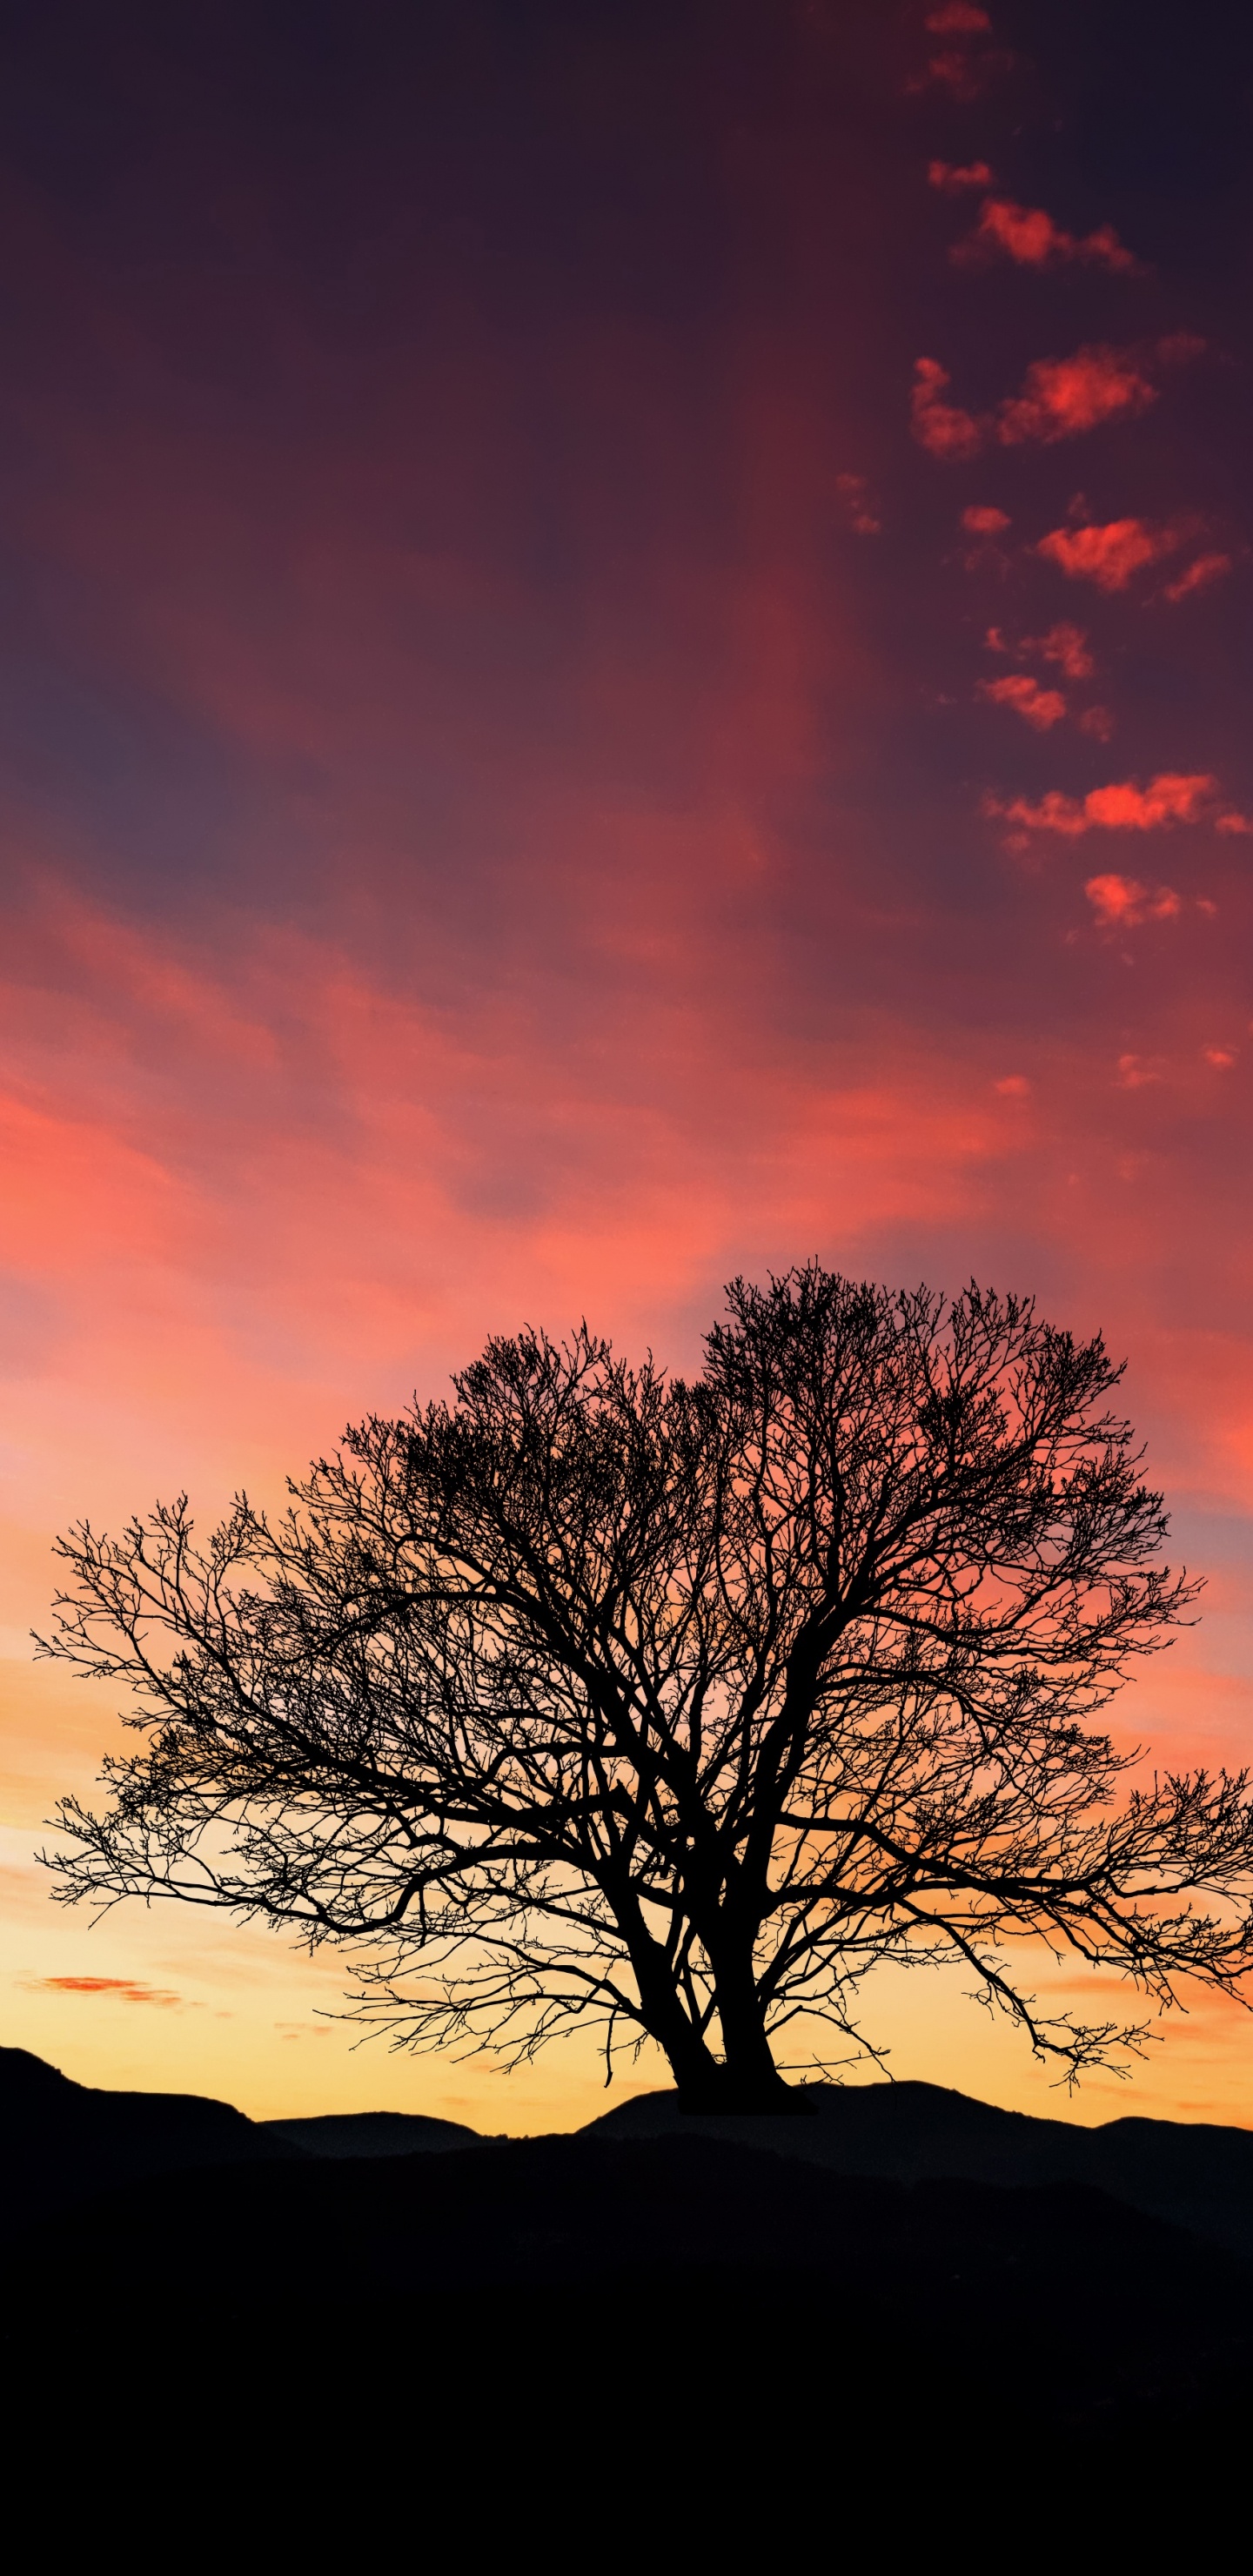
x=625, y=658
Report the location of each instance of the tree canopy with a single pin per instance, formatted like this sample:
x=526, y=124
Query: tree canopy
x=677, y=1706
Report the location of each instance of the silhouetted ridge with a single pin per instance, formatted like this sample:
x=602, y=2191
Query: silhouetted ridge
x=1191, y=2175
x=339, y=2134
x=61, y=2141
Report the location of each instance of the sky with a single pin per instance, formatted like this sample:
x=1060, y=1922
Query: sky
x=624, y=652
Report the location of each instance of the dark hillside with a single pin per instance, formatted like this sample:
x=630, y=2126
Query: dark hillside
x=1193, y=2175
x=60, y=2141
x=369, y=2133
x=685, y=2246
x=493, y=2312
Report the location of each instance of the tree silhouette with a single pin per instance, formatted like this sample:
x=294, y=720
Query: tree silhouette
x=680, y=1706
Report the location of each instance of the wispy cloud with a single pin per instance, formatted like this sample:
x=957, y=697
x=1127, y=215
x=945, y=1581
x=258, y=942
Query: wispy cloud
x=1065, y=645
x=1199, y=575
x=1041, y=708
x=1169, y=798
x=1061, y=397
x=1122, y=903
x=959, y=18
x=122, y=1990
x=1109, y=555
x=941, y=427
x=1030, y=237
x=955, y=178
x=854, y=491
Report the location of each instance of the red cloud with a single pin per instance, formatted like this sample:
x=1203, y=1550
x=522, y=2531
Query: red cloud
x=1121, y=902
x=953, y=179
x=1198, y=576
x=1029, y=236
x=1062, y=396
x=939, y=426
x=1108, y=555
x=1065, y=645
x=958, y=18
x=981, y=522
x=1041, y=707
x=127, y=1990
x=1168, y=798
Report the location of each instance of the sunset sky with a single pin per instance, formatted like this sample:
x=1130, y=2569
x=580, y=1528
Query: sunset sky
x=625, y=641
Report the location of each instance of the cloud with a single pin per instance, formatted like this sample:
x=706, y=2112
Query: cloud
x=1063, y=396
x=854, y=489
x=1108, y=555
x=983, y=522
x=1233, y=822
x=1198, y=576
x=1222, y=1058
x=1134, y=1071
x=1122, y=903
x=955, y=178
x=1029, y=236
x=1169, y=798
x=1097, y=721
x=1067, y=646
x=125, y=1990
x=938, y=426
x=959, y=18
x=1041, y=707
x=1060, y=398
x=1013, y=1086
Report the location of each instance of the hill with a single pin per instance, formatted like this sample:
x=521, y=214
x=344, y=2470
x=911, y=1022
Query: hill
x=515, y=2297
x=1189, y=2173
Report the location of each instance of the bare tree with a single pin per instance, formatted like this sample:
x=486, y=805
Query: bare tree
x=678, y=1707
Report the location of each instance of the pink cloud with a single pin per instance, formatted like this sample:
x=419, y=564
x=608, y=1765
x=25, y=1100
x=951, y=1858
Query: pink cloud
x=1041, y=707
x=1121, y=903
x=125, y=1990
x=954, y=179
x=980, y=521
x=1134, y=1072
x=1029, y=236
x=1098, y=722
x=1107, y=555
x=1222, y=1058
x=938, y=426
x=1169, y=798
x=1063, y=396
x=1233, y=822
x=1199, y=575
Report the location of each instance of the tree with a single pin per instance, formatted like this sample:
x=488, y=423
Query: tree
x=678, y=1706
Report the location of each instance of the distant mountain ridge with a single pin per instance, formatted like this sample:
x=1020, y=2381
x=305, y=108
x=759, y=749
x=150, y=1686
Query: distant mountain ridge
x=798, y=2258
x=1193, y=2175
x=62, y=2142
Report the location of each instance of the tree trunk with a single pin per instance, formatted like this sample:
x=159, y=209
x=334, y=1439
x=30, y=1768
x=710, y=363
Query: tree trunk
x=747, y=2080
